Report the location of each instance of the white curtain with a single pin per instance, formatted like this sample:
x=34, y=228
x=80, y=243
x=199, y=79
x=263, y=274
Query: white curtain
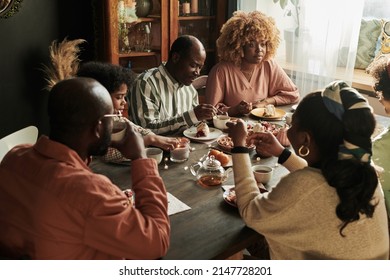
x=326, y=47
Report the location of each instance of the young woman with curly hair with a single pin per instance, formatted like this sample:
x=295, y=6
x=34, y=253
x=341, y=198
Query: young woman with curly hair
x=247, y=76
x=380, y=70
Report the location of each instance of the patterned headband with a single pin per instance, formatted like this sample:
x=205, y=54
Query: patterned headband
x=355, y=147
x=331, y=96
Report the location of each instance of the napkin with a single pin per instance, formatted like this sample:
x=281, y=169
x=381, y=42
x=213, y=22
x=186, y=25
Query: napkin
x=175, y=205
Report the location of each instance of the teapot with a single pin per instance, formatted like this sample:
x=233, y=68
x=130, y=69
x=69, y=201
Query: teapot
x=210, y=172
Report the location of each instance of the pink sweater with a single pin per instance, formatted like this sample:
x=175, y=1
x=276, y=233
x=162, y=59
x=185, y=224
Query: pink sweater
x=227, y=84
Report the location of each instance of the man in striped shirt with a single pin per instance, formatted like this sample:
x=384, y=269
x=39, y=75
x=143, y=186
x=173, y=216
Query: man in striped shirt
x=163, y=98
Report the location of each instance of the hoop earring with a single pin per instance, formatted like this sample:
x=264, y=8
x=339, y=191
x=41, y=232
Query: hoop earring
x=300, y=153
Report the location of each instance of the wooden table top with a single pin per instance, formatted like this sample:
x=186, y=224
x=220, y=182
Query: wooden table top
x=211, y=229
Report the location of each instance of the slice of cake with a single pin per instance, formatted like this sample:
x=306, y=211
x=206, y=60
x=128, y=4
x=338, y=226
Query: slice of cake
x=202, y=130
x=269, y=110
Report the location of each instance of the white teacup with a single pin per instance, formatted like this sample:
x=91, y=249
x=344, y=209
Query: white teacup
x=262, y=173
x=288, y=118
x=118, y=130
x=155, y=153
x=220, y=121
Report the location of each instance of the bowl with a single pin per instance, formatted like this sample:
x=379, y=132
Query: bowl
x=154, y=153
x=262, y=173
x=220, y=121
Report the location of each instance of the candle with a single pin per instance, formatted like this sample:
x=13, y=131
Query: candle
x=194, y=7
x=181, y=152
x=186, y=8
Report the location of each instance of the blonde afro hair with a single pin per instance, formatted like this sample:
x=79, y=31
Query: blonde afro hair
x=243, y=28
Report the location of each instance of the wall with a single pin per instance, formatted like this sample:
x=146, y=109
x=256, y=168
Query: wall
x=24, y=41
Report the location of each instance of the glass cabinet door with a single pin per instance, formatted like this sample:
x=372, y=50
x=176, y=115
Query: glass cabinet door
x=202, y=19
x=137, y=32
x=141, y=39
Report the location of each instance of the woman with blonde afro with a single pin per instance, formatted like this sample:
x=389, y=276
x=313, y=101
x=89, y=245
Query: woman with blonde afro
x=247, y=76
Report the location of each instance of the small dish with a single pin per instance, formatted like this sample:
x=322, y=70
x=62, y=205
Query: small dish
x=225, y=159
x=226, y=143
x=267, y=126
x=191, y=134
x=230, y=195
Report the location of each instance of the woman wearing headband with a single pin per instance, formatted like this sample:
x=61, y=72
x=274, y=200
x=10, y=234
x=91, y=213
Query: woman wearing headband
x=330, y=205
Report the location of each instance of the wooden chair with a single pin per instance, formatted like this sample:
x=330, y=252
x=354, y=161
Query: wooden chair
x=200, y=85
x=27, y=135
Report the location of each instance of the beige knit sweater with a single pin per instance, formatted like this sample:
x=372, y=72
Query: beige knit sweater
x=298, y=217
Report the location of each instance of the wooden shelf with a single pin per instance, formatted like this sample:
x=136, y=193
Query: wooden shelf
x=137, y=54
x=196, y=18
x=165, y=24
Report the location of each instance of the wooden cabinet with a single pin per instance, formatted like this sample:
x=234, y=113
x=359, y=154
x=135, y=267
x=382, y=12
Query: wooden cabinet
x=164, y=23
x=204, y=24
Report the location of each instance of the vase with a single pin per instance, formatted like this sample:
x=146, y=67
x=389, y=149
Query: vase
x=143, y=7
x=296, y=43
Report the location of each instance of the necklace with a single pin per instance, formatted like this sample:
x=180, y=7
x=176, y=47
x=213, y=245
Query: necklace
x=247, y=74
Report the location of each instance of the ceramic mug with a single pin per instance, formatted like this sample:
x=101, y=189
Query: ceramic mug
x=118, y=130
x=220, y=121
x=262, y=173
x=154, y=153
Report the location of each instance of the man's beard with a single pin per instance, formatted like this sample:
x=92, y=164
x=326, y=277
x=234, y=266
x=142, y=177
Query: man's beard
x=100, y=148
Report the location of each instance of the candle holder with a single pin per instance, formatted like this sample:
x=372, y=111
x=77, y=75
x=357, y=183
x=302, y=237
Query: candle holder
x=181, y=151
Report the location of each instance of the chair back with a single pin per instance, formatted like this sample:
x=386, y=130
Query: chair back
x=27, y=135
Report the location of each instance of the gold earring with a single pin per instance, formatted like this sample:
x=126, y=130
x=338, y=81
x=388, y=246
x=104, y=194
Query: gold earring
x=300, y=153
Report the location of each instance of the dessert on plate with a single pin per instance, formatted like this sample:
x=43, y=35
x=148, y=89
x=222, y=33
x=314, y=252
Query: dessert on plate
x=202, y=130
x=269, y=111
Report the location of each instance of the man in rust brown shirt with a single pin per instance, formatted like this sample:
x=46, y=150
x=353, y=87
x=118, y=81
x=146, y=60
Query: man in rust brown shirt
x=52, y=206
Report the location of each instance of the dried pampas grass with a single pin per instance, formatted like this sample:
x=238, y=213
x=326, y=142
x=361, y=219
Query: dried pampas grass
x=65, y=61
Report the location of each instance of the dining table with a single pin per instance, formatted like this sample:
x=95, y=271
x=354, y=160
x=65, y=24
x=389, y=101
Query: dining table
x=211, y=228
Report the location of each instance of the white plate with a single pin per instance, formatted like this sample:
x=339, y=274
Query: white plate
x=259, y=112
x=230, y=197
x=191, y=134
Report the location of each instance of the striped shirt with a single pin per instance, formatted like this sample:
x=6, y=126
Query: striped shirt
x=160, y=103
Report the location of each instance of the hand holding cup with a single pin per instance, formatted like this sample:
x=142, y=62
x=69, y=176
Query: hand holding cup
x=131, y=145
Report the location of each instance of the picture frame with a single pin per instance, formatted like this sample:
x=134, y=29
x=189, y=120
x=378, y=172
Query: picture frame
x=9, y=7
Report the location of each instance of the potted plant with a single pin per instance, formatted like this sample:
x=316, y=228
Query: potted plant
x=292, y=8
x=293, y=11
